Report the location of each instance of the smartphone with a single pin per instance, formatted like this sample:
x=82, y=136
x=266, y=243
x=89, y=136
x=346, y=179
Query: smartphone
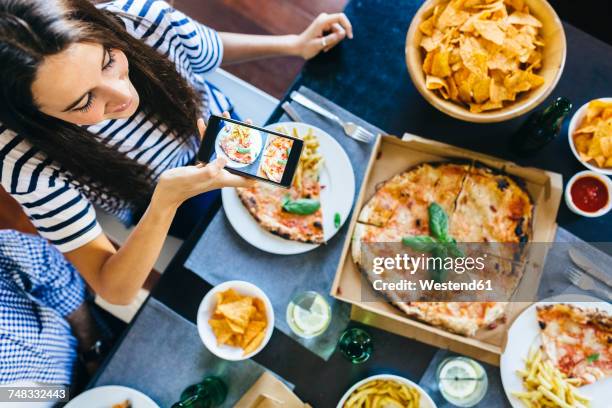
x=251, y=151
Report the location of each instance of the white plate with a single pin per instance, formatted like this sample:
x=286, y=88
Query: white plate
x=108, y=395
x=207, y=307
x=337, y=197
x=574, y=122
x=524, y=333
x=426, y=401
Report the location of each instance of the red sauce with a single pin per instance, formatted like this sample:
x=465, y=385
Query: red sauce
x=589, y=194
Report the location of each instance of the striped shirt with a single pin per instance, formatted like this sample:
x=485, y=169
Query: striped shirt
x=38, y=289
x=58, y=206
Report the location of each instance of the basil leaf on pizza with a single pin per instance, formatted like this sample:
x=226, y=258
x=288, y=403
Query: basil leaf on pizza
x=453, y=250
x=301, y=206
x=421, y=243
x=438, y=222
x=439, y=272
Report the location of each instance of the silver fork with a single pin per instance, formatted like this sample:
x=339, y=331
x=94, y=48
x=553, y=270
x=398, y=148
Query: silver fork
x=585, y=282
x=351, y=129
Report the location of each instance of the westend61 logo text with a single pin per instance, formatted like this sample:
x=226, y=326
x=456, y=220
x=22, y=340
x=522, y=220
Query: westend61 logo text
x=412, y=264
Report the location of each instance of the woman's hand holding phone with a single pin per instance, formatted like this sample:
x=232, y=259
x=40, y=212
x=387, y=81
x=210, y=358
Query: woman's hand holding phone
x=179, y=184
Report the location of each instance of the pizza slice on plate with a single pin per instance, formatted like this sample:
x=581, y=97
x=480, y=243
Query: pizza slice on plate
x=577, y=341
x=293, y=214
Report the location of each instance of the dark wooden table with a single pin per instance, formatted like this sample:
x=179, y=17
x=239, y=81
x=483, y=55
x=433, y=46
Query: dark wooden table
x=368, y=77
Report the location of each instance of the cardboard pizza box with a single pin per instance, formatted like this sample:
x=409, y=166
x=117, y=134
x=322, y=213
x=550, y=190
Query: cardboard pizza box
x=391, y=156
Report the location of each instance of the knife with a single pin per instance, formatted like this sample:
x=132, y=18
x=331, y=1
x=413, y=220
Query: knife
x=586, y=265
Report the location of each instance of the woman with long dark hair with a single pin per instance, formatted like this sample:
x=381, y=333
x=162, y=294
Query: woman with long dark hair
x=102, y=105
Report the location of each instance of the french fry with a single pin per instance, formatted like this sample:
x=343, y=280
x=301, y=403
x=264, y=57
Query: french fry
x=383, y=393
x=546, y=386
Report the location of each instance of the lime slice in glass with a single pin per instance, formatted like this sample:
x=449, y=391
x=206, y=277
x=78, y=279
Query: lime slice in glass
x=313, y=320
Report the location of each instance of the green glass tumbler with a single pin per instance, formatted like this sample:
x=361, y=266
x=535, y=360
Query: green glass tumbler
x=208, y=393
x=356, y=345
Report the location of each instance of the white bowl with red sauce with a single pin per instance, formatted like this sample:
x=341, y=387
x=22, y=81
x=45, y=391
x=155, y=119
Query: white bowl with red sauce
x=589, y=194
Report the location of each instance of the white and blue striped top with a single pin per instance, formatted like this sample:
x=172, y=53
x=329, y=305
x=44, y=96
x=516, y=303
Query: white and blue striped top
x=55, y=204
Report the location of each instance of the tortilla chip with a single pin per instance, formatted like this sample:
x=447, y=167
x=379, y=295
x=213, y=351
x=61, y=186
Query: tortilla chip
x=254, y=343
x=427, y=62
x=481, y=89
x=439, y=64
x=473, y=56
x=221, y=329
x=433, y=82
x=252, y=330
x=239, y=311
x=451, y=17
x=230, y=295
x=490, y=30
x=524, y=19
x=427, y=26
x=259, y=305
x=516, y=4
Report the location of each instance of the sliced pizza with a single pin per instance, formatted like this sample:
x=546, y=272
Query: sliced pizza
x=492, y=207
x=482, y=205
x=577, y=341
x=404, y=199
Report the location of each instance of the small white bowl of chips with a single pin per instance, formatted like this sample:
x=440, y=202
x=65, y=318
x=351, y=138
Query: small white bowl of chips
x=590, y=135
x=485, y=60
x=235, y=320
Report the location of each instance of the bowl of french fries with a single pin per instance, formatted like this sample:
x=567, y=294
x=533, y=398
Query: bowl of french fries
x=485, y=60
x=546, y=386
x=590, y=135
x=386, y=390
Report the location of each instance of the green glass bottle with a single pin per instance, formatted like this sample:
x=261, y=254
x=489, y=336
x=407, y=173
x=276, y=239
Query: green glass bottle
x=209, y=393
x=540, y=128
x=356, y=345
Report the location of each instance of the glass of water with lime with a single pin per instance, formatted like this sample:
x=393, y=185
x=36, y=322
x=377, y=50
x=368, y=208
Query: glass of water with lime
x=462, y=381
x=308, y=314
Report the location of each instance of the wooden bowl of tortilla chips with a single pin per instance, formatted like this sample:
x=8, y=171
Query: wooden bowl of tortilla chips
x=485, y=60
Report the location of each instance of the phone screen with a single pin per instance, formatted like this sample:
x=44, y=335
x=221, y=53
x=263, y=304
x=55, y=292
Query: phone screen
x=251, y=151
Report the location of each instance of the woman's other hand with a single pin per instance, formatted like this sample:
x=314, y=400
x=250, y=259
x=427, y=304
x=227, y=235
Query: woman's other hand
x=323, y=34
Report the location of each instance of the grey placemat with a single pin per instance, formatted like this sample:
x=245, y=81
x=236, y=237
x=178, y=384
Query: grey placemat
x=283, y=276
x=495, y=396
x=554, y=279
x=163, y=354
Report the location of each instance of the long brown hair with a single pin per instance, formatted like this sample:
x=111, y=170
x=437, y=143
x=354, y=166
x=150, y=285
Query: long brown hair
x=30, y=31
